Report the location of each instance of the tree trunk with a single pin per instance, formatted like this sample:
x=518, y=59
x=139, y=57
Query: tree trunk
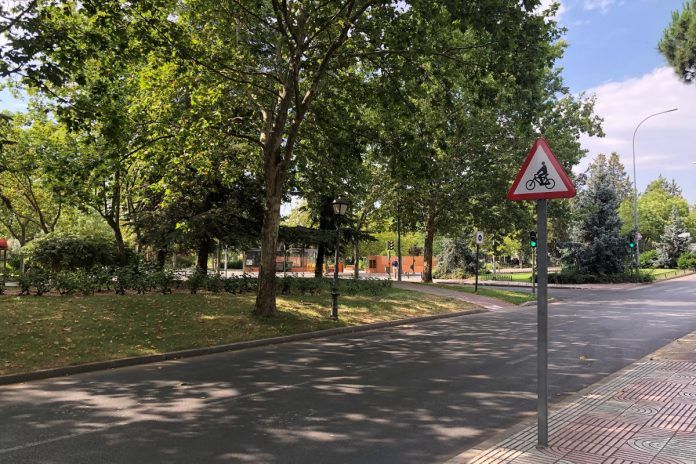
x=202, y=255
x=161, y=257
x=428, y=249
x=121, y=255
x=266, y=292
x=325, y=223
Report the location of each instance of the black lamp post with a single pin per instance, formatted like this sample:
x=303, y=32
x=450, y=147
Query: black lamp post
x=340, y=206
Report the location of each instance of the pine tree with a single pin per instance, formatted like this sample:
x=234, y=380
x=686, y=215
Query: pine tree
x=672, y=245
x=599, y=248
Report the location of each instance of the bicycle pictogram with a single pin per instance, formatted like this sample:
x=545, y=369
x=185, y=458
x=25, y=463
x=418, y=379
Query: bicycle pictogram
x=542, y=178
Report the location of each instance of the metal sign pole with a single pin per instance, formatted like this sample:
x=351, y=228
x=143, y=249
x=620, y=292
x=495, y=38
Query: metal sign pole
x=477, y=268
x=542, y=325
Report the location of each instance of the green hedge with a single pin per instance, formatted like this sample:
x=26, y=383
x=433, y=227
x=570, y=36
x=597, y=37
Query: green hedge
x=569, y=277
x=57, y=252
x=145, y=278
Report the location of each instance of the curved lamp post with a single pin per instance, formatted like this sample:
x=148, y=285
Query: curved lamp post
x=635, y=184
x=340, y=206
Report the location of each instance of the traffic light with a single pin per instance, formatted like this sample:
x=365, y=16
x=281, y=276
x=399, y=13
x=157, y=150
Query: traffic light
x=390, y=245
x=632, y=241
x=532, y=239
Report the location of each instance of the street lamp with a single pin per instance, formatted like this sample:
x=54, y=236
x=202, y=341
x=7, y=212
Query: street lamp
x=340, y=206
x=635, y=183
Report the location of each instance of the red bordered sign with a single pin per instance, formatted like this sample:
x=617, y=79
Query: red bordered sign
x=541, y=176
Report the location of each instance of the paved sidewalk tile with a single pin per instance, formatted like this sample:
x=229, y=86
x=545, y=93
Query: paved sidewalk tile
x=644, y=415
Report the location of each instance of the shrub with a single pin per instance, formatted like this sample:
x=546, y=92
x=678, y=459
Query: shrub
x=123, y=276
x=215, y=283
x=163, y=280
x=196, y=281
x=24, y=284
x=40, y=281
x=102, y=278
x=67, y=282
x=55, y=252
x=648, y=259
x=571, y=277
x=233, y=285
x=249, y=283
x=687, y=261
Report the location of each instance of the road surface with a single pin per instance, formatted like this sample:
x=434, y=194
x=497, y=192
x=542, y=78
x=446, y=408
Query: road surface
x=411, y=394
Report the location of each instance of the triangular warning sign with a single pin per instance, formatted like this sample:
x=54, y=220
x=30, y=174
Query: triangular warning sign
x=541, y=176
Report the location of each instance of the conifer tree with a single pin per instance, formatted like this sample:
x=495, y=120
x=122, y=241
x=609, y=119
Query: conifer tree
x=599, y=248
x=674, y=242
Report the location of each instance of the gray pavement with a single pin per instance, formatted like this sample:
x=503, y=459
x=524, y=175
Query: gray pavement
x=412, y=394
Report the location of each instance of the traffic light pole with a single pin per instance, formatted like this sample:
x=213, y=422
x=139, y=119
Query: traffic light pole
x=542, y=326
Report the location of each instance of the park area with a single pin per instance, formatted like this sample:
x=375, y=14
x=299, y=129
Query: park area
x=55, y=331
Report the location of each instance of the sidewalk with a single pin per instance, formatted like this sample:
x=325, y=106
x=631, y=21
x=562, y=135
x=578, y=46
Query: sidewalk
x=644, y=414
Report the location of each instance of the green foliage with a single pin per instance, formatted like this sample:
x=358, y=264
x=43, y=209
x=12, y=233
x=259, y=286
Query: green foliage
x=655, y=207
x=648, y=259
x=215, y=283
x=687, y=261
x=678, y=43
x=671, y=245
x=456, y=258
x=56, y=252
x=40, y=280
x=196, y=281
x=598, y=247
x=66, y=282
x=569, y=276
x=293, y=285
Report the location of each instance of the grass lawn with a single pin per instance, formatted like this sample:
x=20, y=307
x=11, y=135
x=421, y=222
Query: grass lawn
x=507, y=277
x=664, y=273
x=506, y=295
x=52, y=331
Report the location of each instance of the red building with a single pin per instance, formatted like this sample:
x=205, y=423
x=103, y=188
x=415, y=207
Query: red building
x=409, y=264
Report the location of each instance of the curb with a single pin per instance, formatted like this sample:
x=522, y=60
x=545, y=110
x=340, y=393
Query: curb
x=237, y=346
x=472, y=453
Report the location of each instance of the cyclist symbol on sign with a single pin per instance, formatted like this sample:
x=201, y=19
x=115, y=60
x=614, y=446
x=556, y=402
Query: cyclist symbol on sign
x=541, y=178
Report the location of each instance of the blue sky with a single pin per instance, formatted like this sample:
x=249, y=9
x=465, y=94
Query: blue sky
x=612, y=40
x=613, y=55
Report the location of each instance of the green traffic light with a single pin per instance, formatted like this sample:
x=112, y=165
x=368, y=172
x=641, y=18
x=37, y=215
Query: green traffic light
x=632, y=245
x=533, y=244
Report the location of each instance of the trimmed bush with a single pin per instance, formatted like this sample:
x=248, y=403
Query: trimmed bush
x=569, y=277
x=54, y=252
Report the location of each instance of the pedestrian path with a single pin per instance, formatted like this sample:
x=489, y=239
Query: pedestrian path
x=645, y=414
x=480, y=300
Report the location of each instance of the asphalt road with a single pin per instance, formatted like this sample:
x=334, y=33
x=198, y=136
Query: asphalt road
x=412, y=394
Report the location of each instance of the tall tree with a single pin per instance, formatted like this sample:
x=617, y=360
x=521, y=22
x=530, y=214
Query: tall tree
x=31, y=202
x=673, y=242
x=655, y=206
x=599, y=248
x=678, y=43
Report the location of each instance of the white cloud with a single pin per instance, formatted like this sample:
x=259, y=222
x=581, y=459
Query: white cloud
x=665, y=144
x=601, y=5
